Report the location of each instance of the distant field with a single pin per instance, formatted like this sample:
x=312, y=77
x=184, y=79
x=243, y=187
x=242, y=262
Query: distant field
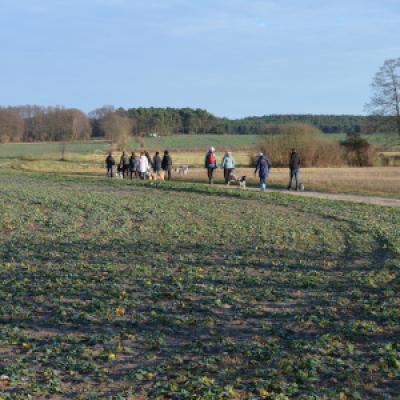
x=385, y=141
x=15, y=150
x=380, y=181
x=199, y=141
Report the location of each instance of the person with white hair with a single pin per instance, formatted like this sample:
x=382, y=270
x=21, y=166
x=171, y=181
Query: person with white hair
x=263, y=166
x=210, y=163
x=228, y=164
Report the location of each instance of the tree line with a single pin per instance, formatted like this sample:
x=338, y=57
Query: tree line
x=35, y=123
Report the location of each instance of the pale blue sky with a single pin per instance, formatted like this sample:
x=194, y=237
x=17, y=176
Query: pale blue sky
x=232, y=57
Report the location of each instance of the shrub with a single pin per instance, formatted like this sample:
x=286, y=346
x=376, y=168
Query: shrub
x=315, y=149
x=358, y=151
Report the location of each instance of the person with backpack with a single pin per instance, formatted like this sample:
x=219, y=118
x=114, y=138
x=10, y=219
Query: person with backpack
x=132, y=165
x=110, y=162
x=210, y=163
x=124, y=165
x=143, y=165
x=263, y=166
x=294, y=168
x=157, y=164
x=166, y=164
x=228, y=164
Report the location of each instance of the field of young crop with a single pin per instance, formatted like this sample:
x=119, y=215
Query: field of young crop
x=125, y=290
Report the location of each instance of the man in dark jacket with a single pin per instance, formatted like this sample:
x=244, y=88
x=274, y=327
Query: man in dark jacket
x=294, y=167
x=110, y=162
x=132, y=164
x=157, y=164
x=124, y=165
x=166, y=164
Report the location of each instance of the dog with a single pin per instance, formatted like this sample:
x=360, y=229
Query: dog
x=119, y=173
x=153, y=176
x=241, y=181
x=183, y=170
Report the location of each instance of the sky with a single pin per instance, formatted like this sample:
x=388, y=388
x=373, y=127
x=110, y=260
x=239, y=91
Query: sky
x=234, y=58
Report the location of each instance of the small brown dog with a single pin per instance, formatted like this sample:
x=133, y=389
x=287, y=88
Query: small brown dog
x=154, y=176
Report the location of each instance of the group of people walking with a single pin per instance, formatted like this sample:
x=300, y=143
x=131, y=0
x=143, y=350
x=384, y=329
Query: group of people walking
x=263, y=167
x=144, y=165
x=140, y=166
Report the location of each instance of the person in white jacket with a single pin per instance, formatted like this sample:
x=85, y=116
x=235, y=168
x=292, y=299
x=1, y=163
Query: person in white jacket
x=143, y=165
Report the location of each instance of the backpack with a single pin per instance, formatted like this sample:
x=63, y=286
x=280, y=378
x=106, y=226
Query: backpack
x=265, y=162
x=210, y=159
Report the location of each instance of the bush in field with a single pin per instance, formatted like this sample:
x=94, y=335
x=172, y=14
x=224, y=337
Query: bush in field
x=358, y=151
x=315, y=149
x=118, y=129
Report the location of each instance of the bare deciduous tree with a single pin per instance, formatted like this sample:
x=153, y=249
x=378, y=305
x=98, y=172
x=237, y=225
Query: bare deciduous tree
x=11, y=126
x=385, y=100
x=118, y=129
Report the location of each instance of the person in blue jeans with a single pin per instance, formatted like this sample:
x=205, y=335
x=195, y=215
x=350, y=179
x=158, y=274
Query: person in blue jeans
x=294, y=167
x=263, y=166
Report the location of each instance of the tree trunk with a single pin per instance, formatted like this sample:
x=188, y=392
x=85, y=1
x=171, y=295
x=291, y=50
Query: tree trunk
x=397, y=109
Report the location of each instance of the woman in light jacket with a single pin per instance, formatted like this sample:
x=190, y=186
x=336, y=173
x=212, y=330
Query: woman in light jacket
x=228, y=164
x=143, y=165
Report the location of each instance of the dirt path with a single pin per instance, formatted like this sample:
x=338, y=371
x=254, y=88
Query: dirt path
x=380, y=201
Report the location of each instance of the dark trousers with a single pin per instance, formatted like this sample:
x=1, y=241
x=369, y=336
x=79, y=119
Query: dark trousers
x=133, y=172
x=110, y=172
x=168, y=173
x=210, y=174
x=227, y=174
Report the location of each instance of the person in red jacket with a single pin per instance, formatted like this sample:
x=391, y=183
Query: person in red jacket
x=210, y=163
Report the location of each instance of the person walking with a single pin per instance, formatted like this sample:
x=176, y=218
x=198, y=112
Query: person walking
x=157, y=164
x=132, y=164
x=110, y=162
x=143, y=165
x=263, y=167
x=228, y=164
x=210, y=163
x=147, y=154
x=294, y=168
x=124, y=164
x=166, y=164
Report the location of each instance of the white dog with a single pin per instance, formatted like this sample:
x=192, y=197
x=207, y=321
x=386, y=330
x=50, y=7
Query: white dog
x=183, y=170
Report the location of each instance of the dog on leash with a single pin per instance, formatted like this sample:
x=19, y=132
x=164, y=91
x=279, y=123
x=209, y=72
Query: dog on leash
x=234, y=179
x=242, y=182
